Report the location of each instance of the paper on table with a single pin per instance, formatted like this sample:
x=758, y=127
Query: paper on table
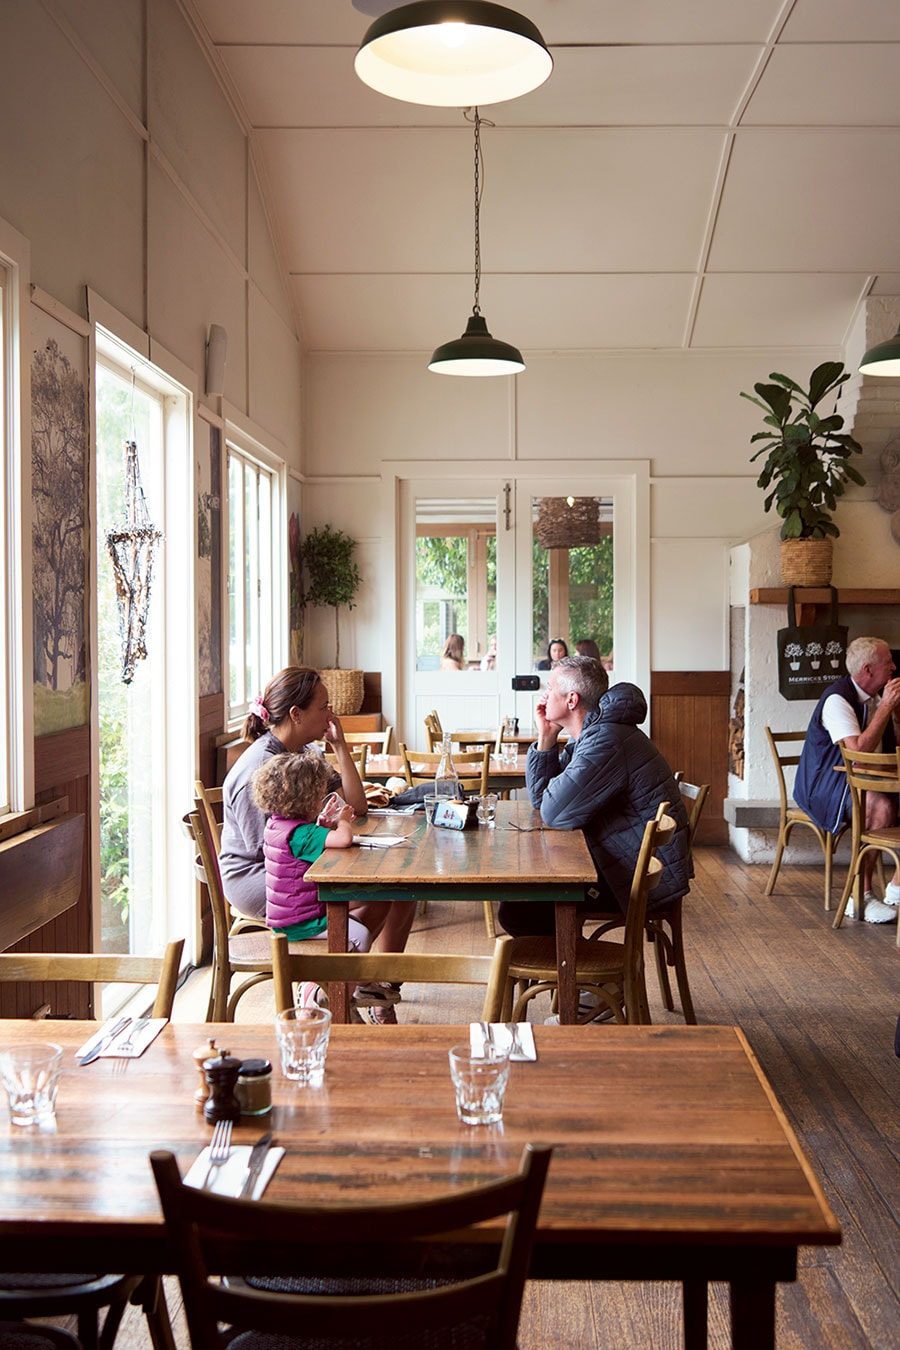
x=391, y=810
x=502, y=1036
x=146, y=1036
x=379, y=840
x=229, y=1178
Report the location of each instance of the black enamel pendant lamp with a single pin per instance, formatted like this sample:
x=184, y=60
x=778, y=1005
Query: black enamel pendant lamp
x=476, y=352
x=883, y=359
x=453, y=54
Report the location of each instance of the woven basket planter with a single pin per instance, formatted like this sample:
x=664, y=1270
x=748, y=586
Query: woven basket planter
x=345, y=690
x=806, y=562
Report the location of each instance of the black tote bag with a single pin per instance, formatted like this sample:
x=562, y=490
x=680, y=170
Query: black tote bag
x=810, y=658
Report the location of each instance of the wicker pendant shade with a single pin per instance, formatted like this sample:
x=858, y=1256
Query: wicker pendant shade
x=570, y=522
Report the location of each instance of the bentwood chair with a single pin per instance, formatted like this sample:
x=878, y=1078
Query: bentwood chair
x=358, y=754
x=786, y=747
x=434, y=732
x=665, y=924
x=85, y=1294
x=244, y=953
x=865, y=773
x=374, y=1275
x=612, y=971
x=291, y=966
x=421, y=766
x=34, y=1336
x=208, y=801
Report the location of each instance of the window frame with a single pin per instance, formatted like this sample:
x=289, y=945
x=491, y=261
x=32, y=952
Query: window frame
x=16, y=678
x=271, y=556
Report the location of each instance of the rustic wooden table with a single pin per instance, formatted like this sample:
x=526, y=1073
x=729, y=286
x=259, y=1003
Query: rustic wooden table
x=673, y=1160
x=501, y=777
x=518, y=859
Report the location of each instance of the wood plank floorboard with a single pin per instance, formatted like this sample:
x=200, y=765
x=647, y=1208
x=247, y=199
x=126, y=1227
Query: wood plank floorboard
x=819, y=1008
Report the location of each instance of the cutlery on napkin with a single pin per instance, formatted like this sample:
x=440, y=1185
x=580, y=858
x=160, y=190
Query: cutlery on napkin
x=517, y=1036
x=230, y=1178
x=115, y=1041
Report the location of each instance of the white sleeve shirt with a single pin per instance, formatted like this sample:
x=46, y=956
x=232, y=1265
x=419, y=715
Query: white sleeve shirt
x=838, y=717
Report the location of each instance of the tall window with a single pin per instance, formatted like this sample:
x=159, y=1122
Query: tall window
x=15, y=539
x=145, y=710
x=5, y=446
x=257, y=566
x=456, y=577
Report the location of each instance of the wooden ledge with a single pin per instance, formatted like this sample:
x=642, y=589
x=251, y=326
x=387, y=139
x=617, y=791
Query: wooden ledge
x=821, y=595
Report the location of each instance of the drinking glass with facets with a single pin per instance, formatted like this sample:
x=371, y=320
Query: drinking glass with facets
x=302, y=1035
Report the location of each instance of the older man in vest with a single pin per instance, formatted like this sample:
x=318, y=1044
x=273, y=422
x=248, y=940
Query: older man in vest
x=857, y=709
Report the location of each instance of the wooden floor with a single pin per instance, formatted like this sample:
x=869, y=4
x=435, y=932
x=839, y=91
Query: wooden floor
x=819, y=1008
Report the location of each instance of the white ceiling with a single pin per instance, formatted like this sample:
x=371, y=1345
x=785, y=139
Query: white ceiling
x=695, y=174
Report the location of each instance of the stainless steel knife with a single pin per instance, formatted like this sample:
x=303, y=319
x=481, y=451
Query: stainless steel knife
x=255, y=1165
x=98, y=1047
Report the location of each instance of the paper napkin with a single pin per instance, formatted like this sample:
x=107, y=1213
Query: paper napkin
x=502, y=1036
x=229, y=1178
x=146, y=1036
x=379, y=840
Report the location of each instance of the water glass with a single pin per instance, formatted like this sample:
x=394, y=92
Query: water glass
x=509, y=752
x=303, y=1043
x=332, y=809
x=487, y=808
x=480, y=1082
x=30, y=1075
x=431, y=802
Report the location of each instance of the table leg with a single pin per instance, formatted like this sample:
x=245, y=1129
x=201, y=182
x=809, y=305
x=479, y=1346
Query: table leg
x=753, y=1314
x=338, y=912
x=695, y=1297
x=566, y=936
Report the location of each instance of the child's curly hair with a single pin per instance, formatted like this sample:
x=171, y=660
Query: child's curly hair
x=292, y=786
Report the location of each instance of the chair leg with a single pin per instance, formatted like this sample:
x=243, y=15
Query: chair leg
x=151, y=1295
x=660, y=948
x=829, y=860
x=489, y=922
x=681, y=975
x=783, y=836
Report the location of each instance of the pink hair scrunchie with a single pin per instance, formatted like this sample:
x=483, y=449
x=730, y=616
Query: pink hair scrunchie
x=259, y=709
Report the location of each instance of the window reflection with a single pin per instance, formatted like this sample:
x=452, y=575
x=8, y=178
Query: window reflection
x=456, y=581
x=572, y=576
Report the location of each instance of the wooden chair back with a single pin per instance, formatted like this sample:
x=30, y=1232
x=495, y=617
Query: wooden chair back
x=292, y=967
x=694, y=797
x=101, y=968
x=434, y=732
x=866, y=772
x=647, y=874
x=786, y=748
x=233, y=952
x=212, y=1235
x=209, y=801
x=420, y=766
x=358, y=754
x=378, y=742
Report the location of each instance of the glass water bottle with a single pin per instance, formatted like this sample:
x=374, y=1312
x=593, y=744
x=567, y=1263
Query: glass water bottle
x=446, y=780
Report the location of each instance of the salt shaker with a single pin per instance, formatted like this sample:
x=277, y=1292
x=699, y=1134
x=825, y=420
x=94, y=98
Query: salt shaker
x=200, y=1056
x=221, y=1074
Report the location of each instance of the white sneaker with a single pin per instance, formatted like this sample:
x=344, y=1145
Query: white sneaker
x=876, y=911
x=891, y=894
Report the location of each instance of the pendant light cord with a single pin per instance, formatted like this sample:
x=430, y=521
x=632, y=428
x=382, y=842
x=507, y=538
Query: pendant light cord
x=477, y=121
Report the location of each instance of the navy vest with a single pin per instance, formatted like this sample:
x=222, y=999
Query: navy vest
x=822, y=793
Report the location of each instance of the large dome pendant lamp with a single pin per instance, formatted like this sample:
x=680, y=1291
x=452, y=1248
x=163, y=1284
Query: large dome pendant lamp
x=882, y=359
x=476, y=352
x=453, y=54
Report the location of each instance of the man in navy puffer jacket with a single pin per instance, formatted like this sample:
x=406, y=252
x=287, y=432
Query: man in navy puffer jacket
x=608, y=781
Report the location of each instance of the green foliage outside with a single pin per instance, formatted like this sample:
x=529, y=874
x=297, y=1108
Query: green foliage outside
x=591, y=609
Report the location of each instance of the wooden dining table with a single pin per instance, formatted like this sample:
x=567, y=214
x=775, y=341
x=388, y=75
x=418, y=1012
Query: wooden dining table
x=672, y=1158
x=519, y=858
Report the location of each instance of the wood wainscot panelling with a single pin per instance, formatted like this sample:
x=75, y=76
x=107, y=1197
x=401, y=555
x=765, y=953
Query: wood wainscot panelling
x=61, y=768
x=689, y=713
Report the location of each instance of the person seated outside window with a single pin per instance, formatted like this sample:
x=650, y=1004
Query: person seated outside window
x=587, y=647
x=556, y=651
x=452, y=657
x=607, y=781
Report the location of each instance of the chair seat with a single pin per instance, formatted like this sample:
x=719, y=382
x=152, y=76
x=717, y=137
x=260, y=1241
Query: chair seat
x=253, y=951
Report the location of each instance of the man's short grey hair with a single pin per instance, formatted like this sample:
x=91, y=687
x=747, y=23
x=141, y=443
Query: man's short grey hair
x=585, y=675
x=863, y=651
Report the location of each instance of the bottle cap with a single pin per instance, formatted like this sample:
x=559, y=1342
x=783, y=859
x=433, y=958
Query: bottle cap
x=255, y=1068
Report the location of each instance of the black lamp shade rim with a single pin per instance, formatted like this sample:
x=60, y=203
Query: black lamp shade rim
x=476, y=344
x=882, y=354
x=480, y=12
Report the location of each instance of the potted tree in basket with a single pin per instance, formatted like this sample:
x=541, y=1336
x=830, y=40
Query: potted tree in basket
x=334, y=580
x=807, y=467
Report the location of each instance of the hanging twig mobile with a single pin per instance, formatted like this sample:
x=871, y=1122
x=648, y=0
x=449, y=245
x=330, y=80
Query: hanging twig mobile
x=132, y=549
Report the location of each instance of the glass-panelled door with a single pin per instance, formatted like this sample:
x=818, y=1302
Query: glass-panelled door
x=493, y=571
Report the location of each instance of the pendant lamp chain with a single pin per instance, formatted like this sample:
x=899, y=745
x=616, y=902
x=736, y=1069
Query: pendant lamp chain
x=476, y=308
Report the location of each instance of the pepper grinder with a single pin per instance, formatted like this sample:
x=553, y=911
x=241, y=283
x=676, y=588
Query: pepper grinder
x=199, y=1056
x=221, y=1073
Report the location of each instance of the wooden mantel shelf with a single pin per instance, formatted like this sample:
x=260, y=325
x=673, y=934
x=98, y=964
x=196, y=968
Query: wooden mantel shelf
x=821, y=595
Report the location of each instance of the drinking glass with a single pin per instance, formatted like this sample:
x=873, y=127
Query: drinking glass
x=332, y=808
x=487, y=808
x=431, y=802
x=302, y=1035
x=509, y=752
x=480, y=1082
x=30, y=1075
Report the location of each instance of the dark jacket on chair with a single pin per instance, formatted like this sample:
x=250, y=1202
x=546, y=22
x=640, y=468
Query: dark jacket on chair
x=818, y=790
x=609, y=783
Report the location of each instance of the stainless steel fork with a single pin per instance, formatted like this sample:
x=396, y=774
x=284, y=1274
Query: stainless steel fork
x=219, y=1150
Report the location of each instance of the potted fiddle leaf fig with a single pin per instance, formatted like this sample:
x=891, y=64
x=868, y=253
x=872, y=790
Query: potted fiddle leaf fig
x=334, y=579
x=807, y=467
